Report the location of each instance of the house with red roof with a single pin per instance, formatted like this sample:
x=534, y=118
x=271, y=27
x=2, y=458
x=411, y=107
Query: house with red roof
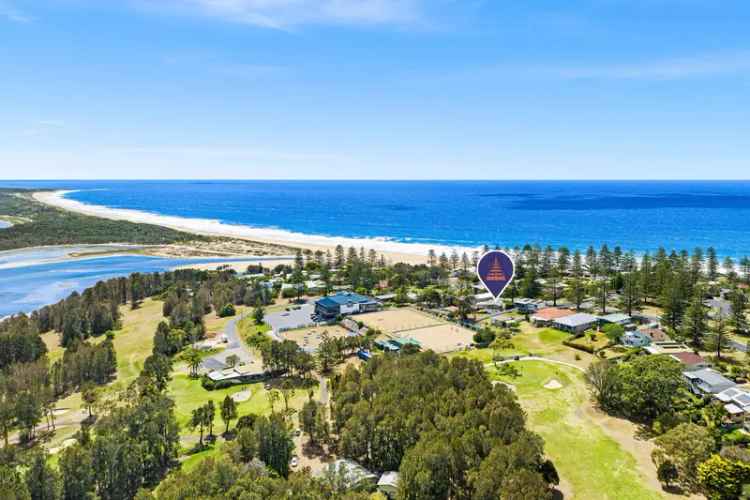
x=545, y=317
x=690, y=360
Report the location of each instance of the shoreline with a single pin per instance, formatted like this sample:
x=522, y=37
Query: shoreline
x=71, y=253
x=394, y=251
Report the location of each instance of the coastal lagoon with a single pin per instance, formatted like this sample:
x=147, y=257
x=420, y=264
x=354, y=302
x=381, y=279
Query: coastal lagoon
x=639, y=216
x=36, y=277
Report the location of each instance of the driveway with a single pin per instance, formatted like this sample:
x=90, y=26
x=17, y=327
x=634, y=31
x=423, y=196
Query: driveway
x=234, y=347
x=740, y=346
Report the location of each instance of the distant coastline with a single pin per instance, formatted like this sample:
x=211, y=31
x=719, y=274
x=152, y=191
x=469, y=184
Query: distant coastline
x=392, y=250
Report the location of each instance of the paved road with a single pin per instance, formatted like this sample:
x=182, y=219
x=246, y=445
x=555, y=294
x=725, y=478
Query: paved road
x=740, y=346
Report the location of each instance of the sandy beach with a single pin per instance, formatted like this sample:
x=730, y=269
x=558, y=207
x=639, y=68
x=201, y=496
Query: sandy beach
x=392, y=250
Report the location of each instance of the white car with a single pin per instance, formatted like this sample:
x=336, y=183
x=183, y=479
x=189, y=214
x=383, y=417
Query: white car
x=294, y=462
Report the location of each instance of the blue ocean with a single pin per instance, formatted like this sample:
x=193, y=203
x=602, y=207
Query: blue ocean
x=638, y=216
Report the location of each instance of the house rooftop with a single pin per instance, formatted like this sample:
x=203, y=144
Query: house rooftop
x=525, y=300
x=656, y=334
x=615, y=318
x=688, y=358
x=550, y=313
x=666, y=347
x=733, y=409
x=735, y=396
x=343, y=298
x=636, y=334
x=578, y=319
x=708, y=376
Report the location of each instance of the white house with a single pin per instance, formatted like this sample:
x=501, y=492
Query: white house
x=736, y=401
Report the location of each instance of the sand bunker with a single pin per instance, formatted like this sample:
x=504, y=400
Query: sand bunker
x=553, y=384
x=241, y=396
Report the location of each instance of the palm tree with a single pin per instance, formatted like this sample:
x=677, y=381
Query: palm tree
x=193, y=359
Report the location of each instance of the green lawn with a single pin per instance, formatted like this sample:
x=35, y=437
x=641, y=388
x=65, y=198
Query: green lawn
x=135, y=340
x=542, y=342
x=193, y=460
x=188, y=395
x=591, y=463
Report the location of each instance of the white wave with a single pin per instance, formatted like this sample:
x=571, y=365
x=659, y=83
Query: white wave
x=213, y=227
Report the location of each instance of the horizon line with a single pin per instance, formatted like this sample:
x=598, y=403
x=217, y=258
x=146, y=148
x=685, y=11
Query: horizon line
x=245, y=179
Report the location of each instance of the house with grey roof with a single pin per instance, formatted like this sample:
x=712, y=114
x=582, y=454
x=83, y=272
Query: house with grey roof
x=526, y=305
x=343, y=303
x=576, y=323
x=616, y=318
x=707, y=381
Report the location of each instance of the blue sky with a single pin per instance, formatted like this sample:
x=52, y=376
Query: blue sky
x=379, y=89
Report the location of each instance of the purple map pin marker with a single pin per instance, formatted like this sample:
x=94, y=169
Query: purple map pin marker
x=495, y=270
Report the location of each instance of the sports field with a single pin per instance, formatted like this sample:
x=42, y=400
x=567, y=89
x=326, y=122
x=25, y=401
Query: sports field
x=398, y=320
x=432, y=333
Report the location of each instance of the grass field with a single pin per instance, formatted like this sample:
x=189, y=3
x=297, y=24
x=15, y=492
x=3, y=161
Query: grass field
x=54, y=350
x=134, y=342
x=189, y=395
x=546, y=342
x=591, y=464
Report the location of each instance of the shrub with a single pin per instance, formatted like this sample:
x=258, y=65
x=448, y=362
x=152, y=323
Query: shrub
x=736, y=437
x=227, y=310
x=210, y=385
x=581, y=347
